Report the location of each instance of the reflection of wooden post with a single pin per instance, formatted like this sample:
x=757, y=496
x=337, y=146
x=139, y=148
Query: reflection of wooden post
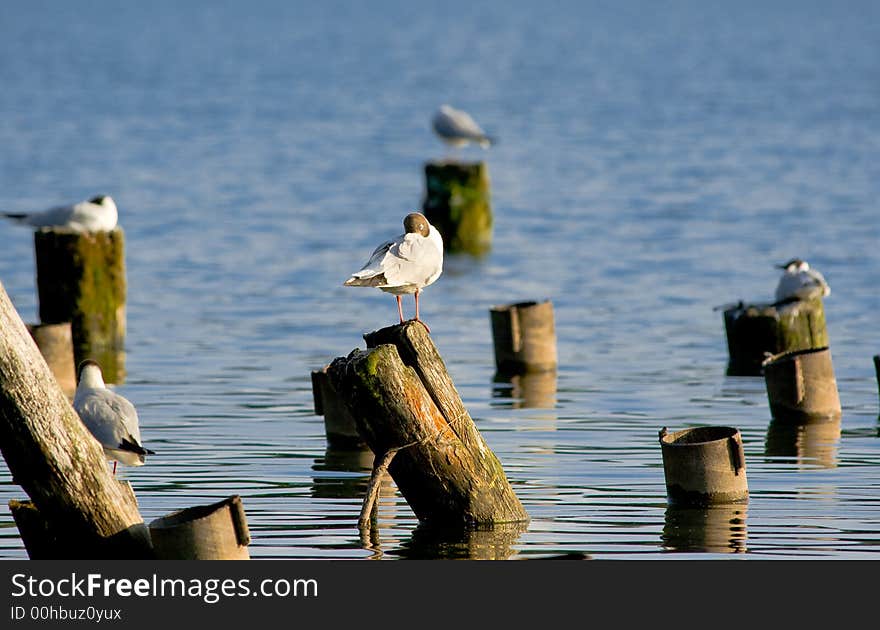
x=55, y=459
x=408, y=409
x=457, y=203
x=531, y=390
x=755, y=330
x=81, y=279
x=56, y=345
x=339, y=425
x=811, y=443
x=207, y=532
x=718, y=528
x=801, y=385
x=524, y=336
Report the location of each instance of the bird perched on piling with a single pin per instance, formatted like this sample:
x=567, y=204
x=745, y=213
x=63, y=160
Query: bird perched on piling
x=405, y=264
x=111, y=418
x=94, y=215
x=456, y=128
x=800, y=282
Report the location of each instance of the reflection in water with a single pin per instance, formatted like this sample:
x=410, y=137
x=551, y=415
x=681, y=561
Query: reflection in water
x=489, y=542
x=345, y=474
x=534, y=389
x=717, y=528
x=811, y=443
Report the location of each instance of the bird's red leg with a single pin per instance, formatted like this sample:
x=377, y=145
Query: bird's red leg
x=417, y=312
x=114, y=468
x=399, y=308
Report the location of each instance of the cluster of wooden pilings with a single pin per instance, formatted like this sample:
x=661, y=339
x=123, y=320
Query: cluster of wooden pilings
x=76, y=509
x=788, y=346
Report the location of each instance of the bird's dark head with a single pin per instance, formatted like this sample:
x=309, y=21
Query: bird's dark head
x=99, y=200
x=416, y=222
x=792, y=265
x=86, y=363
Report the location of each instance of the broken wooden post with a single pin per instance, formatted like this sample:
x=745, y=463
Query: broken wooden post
x=801, y=385
x=704, y=465
x=339, y=426
x=457, y=203
x=81, y=280
x=55, y=342
x=55, y=459
x=756, y=330
x=524, y=336
x=218, y=531
x=412, y=417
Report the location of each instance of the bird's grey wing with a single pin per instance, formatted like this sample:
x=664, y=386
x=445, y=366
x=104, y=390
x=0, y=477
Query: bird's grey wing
x=375, y=265
x=111, y=418
x=414, y=261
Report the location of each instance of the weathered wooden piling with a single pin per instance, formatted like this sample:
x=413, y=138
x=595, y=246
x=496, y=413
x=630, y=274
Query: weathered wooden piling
x=218, y=531
x=457, y=203
x=410, y=414
x=55, y=459
x=801, y=386
x=524, y=337
x=339, y=425
x=55, y=342
x=704, y=465
x=81, y=280
x=756, y=330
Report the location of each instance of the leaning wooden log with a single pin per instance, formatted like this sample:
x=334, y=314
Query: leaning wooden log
x=339, y=425
x=457, y=203
x=55, y=342
x=218, y=531
x=524, y=337
x=801, y=386
x=412, y=417
x=81, y=279
x=756, y=330
x=53, y=457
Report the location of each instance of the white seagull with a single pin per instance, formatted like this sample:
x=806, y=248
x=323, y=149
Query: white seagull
x=111, y=418
x=800, y=282
x=406, y=264
x=96, y=214
x=457, y=128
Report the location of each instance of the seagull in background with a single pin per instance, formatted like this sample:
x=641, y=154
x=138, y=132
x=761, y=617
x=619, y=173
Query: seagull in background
x=456, y=128
x=405, y=264
x=111, y=418
x=96, y=214
x=800, y=282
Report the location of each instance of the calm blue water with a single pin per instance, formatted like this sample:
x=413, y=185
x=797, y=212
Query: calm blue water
x=655, y=160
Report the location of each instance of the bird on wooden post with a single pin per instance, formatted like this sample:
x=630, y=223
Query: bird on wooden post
x=94, y=215
x=110, y=417
x=405, y=264
x=457, y=128
x=800, y=282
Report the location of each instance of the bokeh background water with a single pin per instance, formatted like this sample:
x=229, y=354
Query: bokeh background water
x=656, y=159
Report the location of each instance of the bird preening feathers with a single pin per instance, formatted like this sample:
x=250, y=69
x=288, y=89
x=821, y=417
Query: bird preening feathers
x=405, y=264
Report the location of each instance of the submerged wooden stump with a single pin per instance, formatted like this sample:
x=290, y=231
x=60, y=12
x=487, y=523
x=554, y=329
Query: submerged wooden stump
x=801, y=386
x=218, y=531
x=524, y=336
x=412, y=417
x=81, y=280
x=55, y=342
x=457, y=203
x=55, y=459
x=755, y=331
x=339, y=425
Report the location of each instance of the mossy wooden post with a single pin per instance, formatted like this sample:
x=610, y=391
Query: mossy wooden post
x=412, y=417
x=218, y=531
x=55, y=342
x=755, y=331
x=55, y=459
x=524, y=336
x=339, y=426
x=457, y=203
x=81, y=279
